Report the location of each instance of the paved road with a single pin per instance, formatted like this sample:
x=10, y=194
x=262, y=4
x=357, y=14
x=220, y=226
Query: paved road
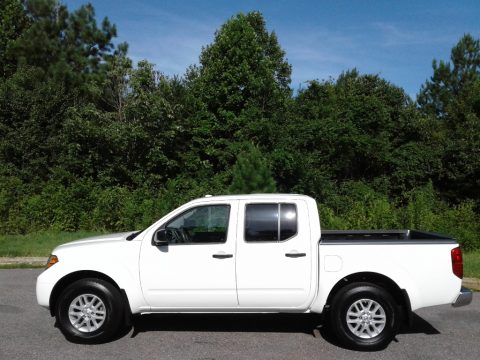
x=27, y=332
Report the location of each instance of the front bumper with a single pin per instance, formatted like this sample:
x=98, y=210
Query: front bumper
x=464, y=298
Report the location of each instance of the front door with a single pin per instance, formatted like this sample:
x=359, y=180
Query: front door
x=197, y=267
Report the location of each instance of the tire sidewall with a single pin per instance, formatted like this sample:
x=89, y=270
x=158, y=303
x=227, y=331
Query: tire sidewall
x=109, y=296
x=349, y=295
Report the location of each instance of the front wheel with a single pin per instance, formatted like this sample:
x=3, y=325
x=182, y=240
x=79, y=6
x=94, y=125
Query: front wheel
x=363, y=316
x=89, y=310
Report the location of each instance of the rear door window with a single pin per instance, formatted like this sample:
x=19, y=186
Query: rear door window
x=270, y=222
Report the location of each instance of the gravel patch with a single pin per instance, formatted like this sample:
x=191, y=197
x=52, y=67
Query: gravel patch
x=37, y=260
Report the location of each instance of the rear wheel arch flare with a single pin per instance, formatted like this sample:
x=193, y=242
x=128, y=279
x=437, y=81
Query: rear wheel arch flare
x=400, y=295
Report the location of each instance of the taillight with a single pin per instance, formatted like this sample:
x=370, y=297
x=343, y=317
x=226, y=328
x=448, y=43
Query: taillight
x=457, y=262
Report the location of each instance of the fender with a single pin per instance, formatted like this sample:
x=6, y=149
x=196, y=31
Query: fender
x=404, y=264
x=329, y=282
x=121, y=268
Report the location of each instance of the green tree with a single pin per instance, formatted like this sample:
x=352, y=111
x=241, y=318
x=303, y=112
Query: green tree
x=68, y=47
x=156, y=112
x=60, y=65
x=118, y=68
x=453, y=96
x=251, y=173
x=357, y=128
x=242, y=82
x=451, y=80
x=13, y=22
x=32, y=111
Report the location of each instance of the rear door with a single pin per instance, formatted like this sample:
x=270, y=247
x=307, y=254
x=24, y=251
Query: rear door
x=274, y=266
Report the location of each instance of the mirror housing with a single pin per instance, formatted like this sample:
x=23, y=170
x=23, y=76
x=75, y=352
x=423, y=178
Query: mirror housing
x=160, y=238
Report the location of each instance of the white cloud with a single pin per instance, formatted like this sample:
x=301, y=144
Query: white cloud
x=169, y=41
x=320, y=53
x=393, y=35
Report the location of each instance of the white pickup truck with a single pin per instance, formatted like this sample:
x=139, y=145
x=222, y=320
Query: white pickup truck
x=252, y=253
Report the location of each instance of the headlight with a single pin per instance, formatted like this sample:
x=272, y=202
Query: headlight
x=52, y=260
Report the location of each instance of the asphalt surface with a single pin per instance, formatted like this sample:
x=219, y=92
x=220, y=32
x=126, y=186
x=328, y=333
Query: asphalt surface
x=28, y=332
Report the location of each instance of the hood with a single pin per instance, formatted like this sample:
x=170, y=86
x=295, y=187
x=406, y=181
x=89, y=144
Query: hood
x=96, y=240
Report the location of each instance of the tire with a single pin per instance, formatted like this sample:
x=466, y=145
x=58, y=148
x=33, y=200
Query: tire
x=363, y=316
x=89, y=310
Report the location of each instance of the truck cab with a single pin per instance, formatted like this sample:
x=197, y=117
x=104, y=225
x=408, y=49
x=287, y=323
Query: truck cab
x=233, y=253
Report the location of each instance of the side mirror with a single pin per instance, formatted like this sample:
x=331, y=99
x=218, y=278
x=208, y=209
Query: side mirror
x=160, y=238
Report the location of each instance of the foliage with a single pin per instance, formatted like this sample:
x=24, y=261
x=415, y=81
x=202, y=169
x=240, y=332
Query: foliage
x=242, y=83
x=450, y=80
x=68, y=47
x=90, y=140
x=13, y=21
x=453, y=95
x=251, y=174
x=424, y=210
x=357, y=128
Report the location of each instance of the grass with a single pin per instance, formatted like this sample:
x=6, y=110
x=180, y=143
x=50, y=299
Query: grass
x=471, y=264
x=38, y=244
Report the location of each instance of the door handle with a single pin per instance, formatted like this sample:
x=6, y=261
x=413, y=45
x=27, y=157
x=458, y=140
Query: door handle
x=295, y=254
x=222, y=256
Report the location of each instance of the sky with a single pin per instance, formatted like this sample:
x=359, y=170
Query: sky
x=395, y=39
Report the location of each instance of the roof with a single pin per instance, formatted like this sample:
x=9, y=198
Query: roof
x=253, y=196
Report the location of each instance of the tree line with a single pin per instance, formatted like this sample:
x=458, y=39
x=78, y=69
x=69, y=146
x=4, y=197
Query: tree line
x=90, y=140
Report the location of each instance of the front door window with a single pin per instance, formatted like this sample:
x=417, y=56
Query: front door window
x=200, y=225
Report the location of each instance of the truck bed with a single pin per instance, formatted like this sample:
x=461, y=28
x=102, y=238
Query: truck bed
x=384, y=237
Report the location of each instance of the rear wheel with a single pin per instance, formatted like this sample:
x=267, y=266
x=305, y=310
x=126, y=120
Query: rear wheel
x=363, y=316
x=89, y=310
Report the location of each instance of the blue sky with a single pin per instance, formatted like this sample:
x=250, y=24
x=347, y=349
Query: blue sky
x=396, y=39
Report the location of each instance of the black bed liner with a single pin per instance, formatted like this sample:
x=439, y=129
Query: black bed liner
x=383, y=237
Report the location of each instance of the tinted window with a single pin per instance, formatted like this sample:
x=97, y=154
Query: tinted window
x=261, y=222
x=288, y=221
x=204, y=224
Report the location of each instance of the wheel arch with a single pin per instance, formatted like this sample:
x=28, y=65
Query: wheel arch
x=400, y=296
x=84, y=274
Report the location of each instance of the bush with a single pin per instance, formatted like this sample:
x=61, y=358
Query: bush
x=420, y=211
x=461, y=222
x=360, y=207
x=71, y=204
x=58, y=206
x=10, y=190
